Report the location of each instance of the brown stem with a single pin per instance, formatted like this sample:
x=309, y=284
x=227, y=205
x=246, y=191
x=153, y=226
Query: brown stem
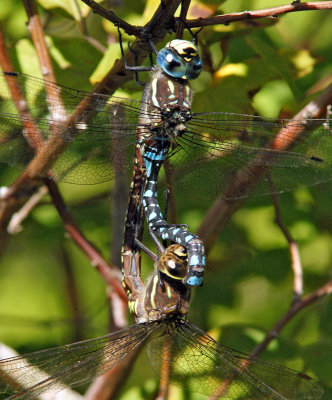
x=37, y=34
x=165, y=371
x=273, y=333
x=31, y=131
x=293, y=249
x=112, y=17
x=273, y=12
x=294, y=309
x=38, y=38
x=14, y=225
x=183, y=14
x=72, y=294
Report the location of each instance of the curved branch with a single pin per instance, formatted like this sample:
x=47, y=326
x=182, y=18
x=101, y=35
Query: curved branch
x=273, y=12
x=294, y=309
x=112, y=17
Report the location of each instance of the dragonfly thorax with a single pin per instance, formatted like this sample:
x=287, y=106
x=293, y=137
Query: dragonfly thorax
x=172, y=122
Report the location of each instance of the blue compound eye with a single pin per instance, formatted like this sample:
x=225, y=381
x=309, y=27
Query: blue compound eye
x=180, y=59
x=194, y=68
x=171, y=62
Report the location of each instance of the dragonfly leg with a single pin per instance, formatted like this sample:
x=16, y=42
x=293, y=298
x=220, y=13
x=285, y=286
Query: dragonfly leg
x=146, y=250
x=135, y=68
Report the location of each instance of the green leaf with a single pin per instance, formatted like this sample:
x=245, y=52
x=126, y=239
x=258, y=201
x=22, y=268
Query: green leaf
x=274, y=59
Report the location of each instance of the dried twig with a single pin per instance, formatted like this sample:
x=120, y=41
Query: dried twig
x=293, y=249
x=112, y=17
x=15, y=223
x=273, y=12
x=293, y=310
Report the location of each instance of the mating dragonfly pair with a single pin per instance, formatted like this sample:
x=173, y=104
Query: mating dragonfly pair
x=106, y=127
x=100, y=132
x=178, y=350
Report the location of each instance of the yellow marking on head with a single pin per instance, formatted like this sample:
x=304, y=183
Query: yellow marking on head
x=183, y=47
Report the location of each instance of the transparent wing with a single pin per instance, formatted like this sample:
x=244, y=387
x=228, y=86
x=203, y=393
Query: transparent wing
x=98, y=131
x=199, y=363
x=218, y=147
x=70, y=365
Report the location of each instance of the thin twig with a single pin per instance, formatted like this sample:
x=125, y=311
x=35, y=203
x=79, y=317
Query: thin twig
x=72, y=294
x=31, y=131
x=38, y=38
x=183, y=14
x=112, y=17
x=84, y=30
x=15, y=223
x=273, y=12
x=165, y=372
x=293, y=249
x=294, y=309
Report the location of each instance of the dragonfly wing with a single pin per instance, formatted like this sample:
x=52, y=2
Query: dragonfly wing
x=202, y=365
x=222, y=144
x=90, y=136
x=74, y=364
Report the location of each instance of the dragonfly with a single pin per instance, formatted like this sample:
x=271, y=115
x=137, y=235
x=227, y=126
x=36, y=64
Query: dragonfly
x=83, y=136
x=178, y=351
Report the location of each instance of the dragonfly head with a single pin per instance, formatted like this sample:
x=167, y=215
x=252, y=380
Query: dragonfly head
x=174, y=262
x=180, y=59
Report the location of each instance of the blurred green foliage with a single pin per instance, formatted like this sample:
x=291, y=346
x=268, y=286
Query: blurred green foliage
x=269, y=68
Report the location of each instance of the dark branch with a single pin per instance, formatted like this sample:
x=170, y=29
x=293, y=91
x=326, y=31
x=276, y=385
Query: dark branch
x=112, y=17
